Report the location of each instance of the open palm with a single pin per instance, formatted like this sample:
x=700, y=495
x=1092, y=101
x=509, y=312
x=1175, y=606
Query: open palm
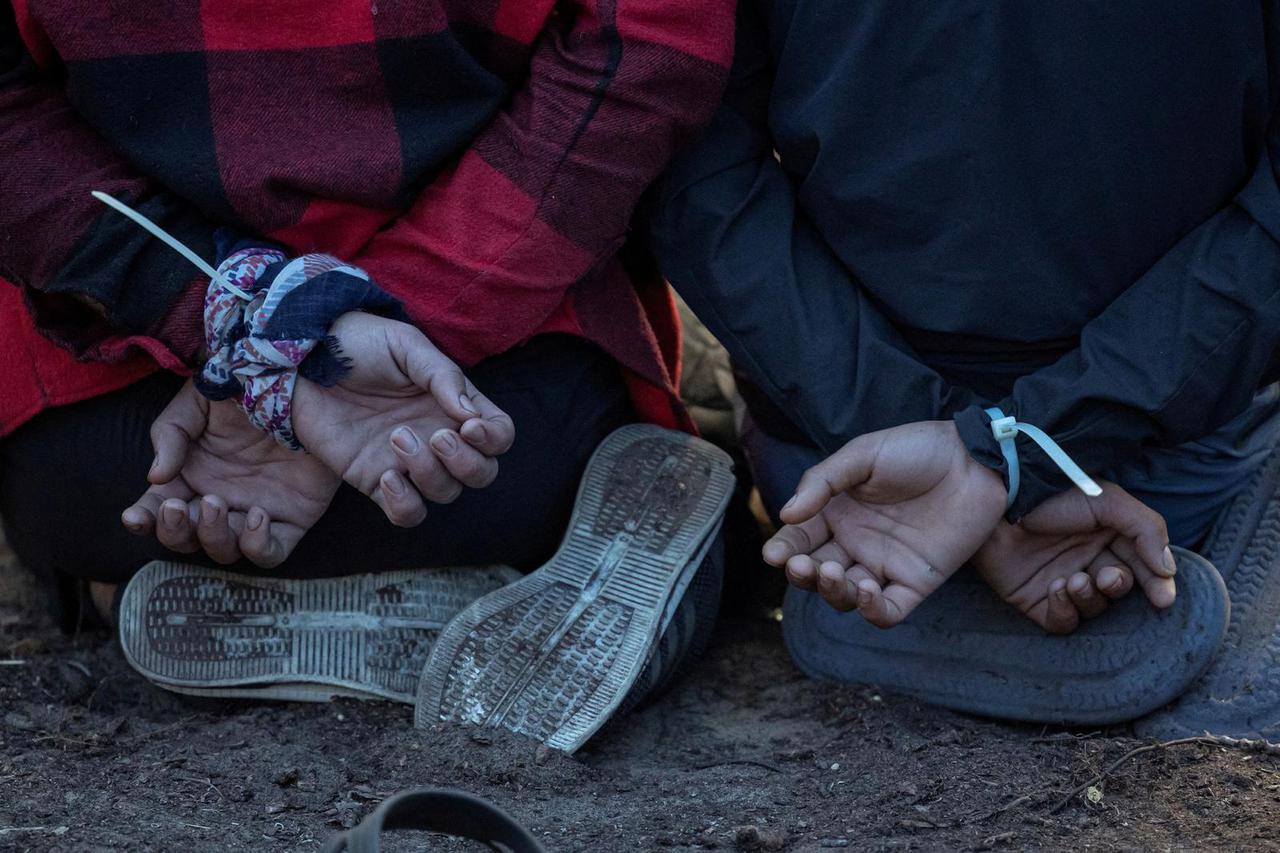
x=887, y=519
x=1065, y=560
x=403, y=424
x=220, y=485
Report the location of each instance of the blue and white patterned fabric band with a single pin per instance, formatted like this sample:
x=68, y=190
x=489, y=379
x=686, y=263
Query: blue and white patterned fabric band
x=258, y=347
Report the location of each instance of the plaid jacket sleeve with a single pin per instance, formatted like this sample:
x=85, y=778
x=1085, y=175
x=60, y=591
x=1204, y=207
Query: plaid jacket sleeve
x=544, y=194
x=93, y=280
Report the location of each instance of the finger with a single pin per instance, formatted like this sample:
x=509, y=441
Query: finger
x=258, y=544
x=1086, y=598
x=846, y=468
x=214, y=533
x=433, y=371
x=888, y=606
x=836, y=588
x=802, y=572
x=1110, y=575
x=796, y=539
x=802, y=569
x=175, y=526
x=1061, y=616
x=462, y=461
x=141, y=517
x=400, y=502
x=174, y=430
x=889, y=558
x=426, y=472
x=1143, y=526
x=1159, y=590
x=493, y=432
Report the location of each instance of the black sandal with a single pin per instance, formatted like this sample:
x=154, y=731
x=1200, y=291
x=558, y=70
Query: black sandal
x=438, y=810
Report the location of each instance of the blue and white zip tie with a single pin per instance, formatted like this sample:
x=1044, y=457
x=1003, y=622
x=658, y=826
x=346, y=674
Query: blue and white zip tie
x=1005, y=428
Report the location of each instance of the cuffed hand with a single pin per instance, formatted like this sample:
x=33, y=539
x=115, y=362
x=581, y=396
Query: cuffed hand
x=887, y=519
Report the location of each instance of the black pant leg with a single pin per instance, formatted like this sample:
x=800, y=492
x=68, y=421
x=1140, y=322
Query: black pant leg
x=69, y=473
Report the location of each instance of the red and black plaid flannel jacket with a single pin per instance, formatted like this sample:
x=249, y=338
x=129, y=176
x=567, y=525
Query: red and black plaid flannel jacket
x=480, y=158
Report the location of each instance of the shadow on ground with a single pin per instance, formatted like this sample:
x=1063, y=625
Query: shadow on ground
x=745, y=754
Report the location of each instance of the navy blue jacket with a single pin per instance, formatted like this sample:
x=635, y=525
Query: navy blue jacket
x=912, y=209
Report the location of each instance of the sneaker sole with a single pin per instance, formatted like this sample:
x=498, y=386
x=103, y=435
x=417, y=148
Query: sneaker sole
x=208, y=632
x=553, y=655
x=967, y=650
x=1239, y=696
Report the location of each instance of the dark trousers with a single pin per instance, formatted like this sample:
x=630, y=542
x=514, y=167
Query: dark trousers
x=66, y=476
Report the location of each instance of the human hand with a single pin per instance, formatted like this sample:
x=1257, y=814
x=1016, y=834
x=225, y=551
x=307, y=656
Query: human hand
x=881, y=523
x=1068, y=558
x=220, y=485
x=403, y=425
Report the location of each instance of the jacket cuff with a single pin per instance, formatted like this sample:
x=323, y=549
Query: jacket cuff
x=120, y=280
x=1039, y=478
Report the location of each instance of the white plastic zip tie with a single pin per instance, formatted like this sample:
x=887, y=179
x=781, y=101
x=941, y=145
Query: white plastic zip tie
x=1006, y=428
x=171, y=241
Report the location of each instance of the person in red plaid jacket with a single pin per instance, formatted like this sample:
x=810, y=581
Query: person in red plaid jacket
x=480, y=160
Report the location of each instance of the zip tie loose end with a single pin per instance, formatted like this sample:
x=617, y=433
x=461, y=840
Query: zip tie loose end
x=1005, y=429
x=170, y=241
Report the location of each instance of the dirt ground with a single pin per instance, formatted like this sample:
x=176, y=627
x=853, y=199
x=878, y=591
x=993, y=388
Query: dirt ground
x=745, y=754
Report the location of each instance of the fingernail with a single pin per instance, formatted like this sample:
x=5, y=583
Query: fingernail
x=154, y=463
x=256, y=517
x=393, y=484
x=172, y=515
x=788, y=504
x=405, y=439
x=864, y=597
x=1170, y=563
x=445, y=442
x=467, y=406
x=209, y=510
x=132, y=520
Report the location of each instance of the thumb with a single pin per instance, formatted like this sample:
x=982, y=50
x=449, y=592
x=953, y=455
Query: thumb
x=182, y=422
x=434, y=372
x=1129, y=516
x=848, y=467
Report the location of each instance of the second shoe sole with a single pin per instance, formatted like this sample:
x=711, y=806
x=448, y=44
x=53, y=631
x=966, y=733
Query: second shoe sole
x=553, y=655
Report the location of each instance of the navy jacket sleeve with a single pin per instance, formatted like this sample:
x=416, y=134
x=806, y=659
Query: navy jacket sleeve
x=729, y=236
x=1181, y=352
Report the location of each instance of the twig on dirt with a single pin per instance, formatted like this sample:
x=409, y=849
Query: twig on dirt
x=79, y=667
x=56, y=830
x=996, y=813
x=1204, y=740
x=144, y=735
x=1061, y=737
x=63, y=739
x=751, y=762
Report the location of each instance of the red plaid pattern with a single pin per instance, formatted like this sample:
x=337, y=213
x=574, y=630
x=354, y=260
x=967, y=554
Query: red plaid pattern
x=480, y=158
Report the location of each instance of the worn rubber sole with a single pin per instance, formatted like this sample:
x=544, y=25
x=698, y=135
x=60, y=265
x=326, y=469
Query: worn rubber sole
x=213, y=633
x=1239, y=695
x=553, y=655
x=967, y=650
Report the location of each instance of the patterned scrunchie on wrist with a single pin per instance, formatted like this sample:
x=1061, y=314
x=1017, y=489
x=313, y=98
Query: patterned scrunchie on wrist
x=257, y=348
